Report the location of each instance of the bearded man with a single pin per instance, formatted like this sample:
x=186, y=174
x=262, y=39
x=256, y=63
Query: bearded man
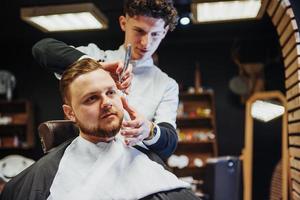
x=97, y=164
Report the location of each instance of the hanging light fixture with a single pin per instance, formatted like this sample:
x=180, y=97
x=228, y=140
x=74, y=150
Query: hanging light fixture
x=72, y=17
x=204, y=11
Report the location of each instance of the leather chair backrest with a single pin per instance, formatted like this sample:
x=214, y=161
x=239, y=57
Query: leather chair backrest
x=55, y=132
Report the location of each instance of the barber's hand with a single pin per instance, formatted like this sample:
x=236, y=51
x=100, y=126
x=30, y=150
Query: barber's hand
x=137, y=128
x=115, y=69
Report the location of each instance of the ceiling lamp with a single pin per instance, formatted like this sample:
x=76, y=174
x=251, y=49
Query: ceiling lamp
x=72, y=17
x=204, y=11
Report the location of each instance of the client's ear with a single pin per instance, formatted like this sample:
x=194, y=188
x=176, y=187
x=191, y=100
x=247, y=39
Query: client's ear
x=69, y=112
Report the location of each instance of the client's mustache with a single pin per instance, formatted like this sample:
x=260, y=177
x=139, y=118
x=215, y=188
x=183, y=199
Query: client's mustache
x=109, y=111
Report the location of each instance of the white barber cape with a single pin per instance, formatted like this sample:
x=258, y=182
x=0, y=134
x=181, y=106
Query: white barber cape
x=109, y=171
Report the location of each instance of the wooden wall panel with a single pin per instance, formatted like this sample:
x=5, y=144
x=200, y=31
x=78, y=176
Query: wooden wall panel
x=291, y=43
x=293, y=104
x=292, y=55
x=293, y=91
x=288, y=15
x=293, y=79
x=292, y=68
x=289, y=40
x=272, y=7
x=294, y=140
x=280, y=12
x=296, y=186
x=291, y=28
x=294, y=152
x=293, y=116
x=294, y=128
x=295, y=195
x=296, y=175
x=294, y=163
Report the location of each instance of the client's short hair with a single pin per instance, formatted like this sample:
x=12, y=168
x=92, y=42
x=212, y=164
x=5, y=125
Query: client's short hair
x=78, y=68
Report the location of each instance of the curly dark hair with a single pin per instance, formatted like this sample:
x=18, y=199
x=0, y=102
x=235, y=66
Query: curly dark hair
x=163, y=9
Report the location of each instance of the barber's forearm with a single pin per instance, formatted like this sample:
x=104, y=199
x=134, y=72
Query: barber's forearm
x=55, y=55
x=167, y=142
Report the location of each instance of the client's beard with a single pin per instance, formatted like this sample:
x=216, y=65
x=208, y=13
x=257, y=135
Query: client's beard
x=99, y=131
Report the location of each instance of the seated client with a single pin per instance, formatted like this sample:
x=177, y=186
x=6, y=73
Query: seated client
x=97, y=164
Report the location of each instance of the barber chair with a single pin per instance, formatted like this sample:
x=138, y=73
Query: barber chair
x=55, y=132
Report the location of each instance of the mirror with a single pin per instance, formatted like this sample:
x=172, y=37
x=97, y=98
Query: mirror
x=248, y=150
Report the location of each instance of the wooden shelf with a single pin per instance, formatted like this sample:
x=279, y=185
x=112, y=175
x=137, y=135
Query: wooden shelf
x=196, y=128
x=16, y=125
x=197, y=142
x=195, y=122
x=205, y=95
x=198, y=118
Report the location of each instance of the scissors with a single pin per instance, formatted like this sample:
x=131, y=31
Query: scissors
x=126, y=61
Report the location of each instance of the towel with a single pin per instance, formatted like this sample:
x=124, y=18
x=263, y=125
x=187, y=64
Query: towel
x=109, y=171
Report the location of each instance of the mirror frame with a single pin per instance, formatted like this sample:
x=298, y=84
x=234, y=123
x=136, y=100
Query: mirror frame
x=248, y=150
